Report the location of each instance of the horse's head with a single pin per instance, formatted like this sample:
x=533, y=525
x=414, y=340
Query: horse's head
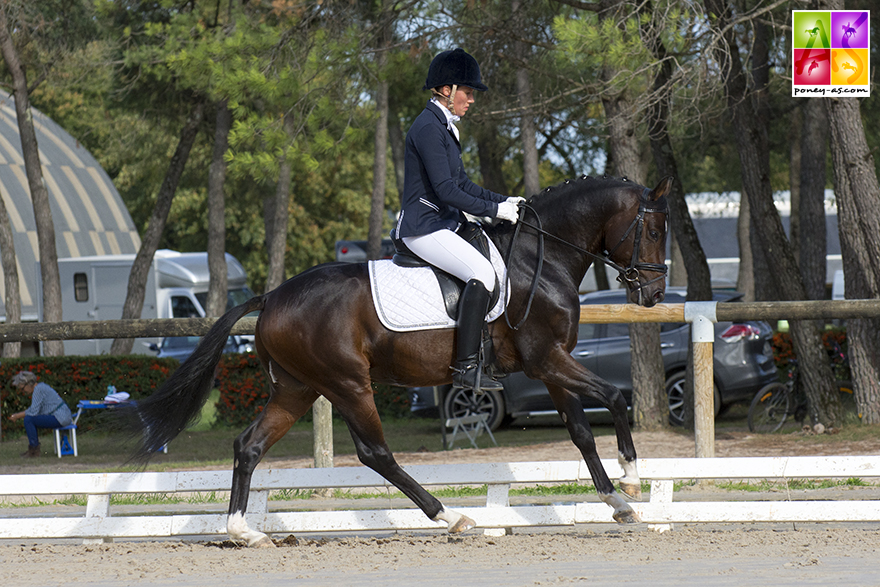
x=635, y=237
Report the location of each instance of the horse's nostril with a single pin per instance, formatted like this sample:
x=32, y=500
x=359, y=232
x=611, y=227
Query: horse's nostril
x=658, y=297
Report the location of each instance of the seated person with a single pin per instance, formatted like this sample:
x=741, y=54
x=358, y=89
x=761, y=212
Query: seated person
x=47, y=410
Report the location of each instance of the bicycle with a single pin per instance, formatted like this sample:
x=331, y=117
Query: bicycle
x=775, y=402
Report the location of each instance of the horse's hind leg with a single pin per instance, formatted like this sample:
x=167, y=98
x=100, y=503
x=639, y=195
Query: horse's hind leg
x=290, y=401
x=572, y=412
x=359, y=412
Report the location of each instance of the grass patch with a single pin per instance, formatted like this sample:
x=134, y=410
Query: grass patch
x=795, y=484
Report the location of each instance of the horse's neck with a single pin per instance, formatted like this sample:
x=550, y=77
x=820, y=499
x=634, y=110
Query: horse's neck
x=563, y=260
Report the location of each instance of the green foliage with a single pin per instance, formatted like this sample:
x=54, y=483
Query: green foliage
x=81, y=378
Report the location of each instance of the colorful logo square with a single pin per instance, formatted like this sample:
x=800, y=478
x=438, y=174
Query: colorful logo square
x=812, y=67
x=849, y=30
x=849, y=67
x=830, y=53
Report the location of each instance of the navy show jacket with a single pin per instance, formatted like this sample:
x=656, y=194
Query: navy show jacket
x=436, y=189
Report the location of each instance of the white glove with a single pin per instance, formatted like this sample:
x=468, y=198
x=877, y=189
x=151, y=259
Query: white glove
x=516, y=199
x=508, y=211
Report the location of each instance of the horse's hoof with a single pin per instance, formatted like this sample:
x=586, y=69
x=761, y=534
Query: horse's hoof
x=463, y=524
x=632, y=490
x=264, y=542
x=626, y=517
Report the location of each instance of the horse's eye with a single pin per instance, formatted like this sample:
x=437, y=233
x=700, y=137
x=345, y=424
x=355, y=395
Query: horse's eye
x=654, y=234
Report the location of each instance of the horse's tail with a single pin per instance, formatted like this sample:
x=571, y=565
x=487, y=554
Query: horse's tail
x=158, y=419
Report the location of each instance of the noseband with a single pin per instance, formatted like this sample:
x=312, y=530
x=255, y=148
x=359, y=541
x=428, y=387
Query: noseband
x=628, y=275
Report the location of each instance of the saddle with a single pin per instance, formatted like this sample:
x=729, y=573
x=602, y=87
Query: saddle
x=450, y=286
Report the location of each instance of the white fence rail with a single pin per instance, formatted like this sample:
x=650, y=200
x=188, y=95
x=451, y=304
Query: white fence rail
x=497, y=515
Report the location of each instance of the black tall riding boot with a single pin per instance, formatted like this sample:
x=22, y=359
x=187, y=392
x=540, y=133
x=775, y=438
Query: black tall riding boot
x=468, y=370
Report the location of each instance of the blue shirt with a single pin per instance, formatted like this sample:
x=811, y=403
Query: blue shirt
x=45, y=401
x=436, y=189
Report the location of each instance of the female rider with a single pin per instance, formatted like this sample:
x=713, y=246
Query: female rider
x=436, y=192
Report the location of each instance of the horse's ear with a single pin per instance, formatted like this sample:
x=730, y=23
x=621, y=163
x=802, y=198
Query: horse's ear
x=662, y=189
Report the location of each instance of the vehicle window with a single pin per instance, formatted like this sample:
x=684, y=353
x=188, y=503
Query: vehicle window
x=234, y=297
x=183, y=307
x=588, y=331
x=667, y=326
x=613, y=330
x=80, y=287
x=172, y=342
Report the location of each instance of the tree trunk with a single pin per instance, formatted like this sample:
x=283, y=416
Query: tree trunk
x=747, y=110
x=276, y=213
x=491, y=155
x=649, y=386
x=140, y=269
x=686, y=242
x=813, y=250
x=218, y=285
x=48, y=254
x=794, y=178
x=745, y=280
x=380, y=146
x=856, y=188
x=397, y=141
x=531, y=179
x=10, y=279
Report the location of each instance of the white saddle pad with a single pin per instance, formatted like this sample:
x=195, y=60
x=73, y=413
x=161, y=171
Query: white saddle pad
x=409, y=298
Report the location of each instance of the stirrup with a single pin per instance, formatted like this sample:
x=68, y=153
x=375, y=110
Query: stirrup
x=471, y=376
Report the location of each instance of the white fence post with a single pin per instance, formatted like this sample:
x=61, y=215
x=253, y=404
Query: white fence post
x=98, y=506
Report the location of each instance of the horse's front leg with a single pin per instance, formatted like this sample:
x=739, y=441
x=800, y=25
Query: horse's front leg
x=572, y=413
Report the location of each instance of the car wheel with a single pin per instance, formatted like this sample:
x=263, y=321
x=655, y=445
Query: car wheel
x=464, y=402
x=675, y=398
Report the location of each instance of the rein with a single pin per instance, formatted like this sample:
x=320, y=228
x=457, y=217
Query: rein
x=629, y=274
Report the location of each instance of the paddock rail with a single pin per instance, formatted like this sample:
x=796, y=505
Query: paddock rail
x=496, y=517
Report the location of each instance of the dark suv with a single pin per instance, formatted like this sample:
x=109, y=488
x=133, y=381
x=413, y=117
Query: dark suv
x=743, y=364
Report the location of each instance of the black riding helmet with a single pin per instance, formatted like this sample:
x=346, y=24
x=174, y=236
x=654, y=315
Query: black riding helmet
x=454, y=68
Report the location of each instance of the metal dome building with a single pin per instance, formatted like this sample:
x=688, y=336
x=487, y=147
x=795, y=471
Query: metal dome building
x=90, y=217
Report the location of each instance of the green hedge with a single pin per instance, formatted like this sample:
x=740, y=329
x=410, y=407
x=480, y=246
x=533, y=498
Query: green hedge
x=244, y=390
x=243, y=387
x=77, y=378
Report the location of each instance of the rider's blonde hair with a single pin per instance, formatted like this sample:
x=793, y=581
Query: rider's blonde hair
x=450, y=104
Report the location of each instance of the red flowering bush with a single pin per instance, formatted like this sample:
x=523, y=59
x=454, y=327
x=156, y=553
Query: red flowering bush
x=244, y=391
x=835, y=344
x=78, y=378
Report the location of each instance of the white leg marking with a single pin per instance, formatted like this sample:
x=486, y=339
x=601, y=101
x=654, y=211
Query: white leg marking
x=630, y=483
x=238, y=529
x=271, y=374
x=630, y=473
x=623, y=514
x=455, y=522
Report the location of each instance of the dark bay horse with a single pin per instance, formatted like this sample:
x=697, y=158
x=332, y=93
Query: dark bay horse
x=319, y=334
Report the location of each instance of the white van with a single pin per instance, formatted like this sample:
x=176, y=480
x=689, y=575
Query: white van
x=94, y=288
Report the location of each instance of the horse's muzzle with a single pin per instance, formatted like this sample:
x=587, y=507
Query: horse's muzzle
x=647, y=297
